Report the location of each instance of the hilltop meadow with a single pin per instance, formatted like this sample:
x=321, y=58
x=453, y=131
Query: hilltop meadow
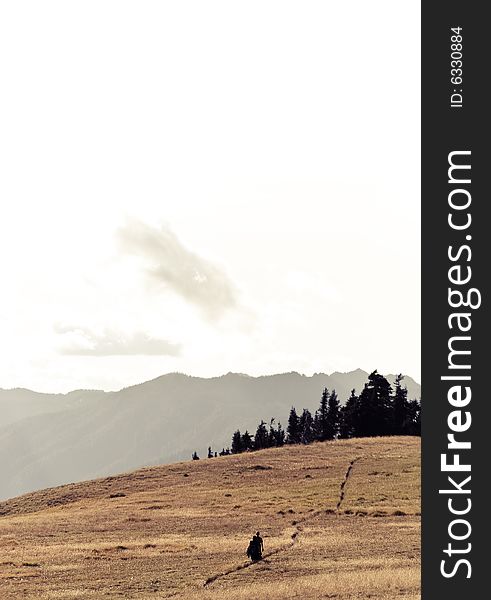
x=339, y=520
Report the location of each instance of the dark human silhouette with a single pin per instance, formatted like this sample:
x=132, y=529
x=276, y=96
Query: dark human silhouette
x=256, y=547
x=259, y=541
x=251, y=550
x=195, y=456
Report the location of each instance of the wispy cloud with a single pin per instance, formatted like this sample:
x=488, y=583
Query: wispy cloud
x=84, y=342
x=168, y=262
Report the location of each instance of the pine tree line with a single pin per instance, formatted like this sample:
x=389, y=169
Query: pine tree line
x=378, y=410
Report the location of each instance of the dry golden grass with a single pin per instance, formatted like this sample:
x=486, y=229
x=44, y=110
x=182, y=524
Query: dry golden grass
x=163, y=532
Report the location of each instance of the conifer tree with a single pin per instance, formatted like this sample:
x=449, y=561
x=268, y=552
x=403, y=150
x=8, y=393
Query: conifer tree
x=374, y=407
x=316, y=426
x=322, y=420
x=280, y=435
x=306, y=427
x=333, y=416
x=401, y=419
x=272, y=434
x=237, y=445
x=414, y=418
x=348, y=416
x=246, y=441
x=293, y=429
x=261, y=438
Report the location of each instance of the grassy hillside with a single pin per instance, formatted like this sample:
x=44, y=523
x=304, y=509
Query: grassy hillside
x=339, y=520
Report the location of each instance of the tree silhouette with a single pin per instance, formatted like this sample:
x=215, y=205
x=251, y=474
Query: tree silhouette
x=374, y=407
x=400, y=405
x=272, y=434
x=293, y=429
x=280, y=435
x=322, y=429
x=333, y=416
x=261, y=438
x=306, y=427
x=237, y=446
x=348, y=417
x=414, y=418
x=246, y=441
x=316, y=426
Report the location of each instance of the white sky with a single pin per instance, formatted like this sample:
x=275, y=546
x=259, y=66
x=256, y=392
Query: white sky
x=208, y=187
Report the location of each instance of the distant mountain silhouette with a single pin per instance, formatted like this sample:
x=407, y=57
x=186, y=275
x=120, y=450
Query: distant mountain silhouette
x=53, y=439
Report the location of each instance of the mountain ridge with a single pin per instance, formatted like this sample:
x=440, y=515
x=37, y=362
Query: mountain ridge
x=188, y=376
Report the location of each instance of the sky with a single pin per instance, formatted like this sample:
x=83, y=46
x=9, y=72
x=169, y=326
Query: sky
x=208, y=187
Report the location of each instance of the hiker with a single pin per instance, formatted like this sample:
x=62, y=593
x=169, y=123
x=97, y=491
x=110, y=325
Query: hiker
x=259, y=542
x=256, y=547
x=253, y=551
x=250, y=549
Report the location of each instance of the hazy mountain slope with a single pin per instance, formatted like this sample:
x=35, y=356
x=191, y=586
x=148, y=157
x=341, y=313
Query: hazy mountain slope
x=159, y=421
x=18, y=404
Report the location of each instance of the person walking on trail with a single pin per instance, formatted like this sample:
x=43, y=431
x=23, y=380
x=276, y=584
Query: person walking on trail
x=256, y=547
x=259, y=541
x=252, y=550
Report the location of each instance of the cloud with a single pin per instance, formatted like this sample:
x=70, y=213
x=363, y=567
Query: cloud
x=171, y=264
x=83, y=342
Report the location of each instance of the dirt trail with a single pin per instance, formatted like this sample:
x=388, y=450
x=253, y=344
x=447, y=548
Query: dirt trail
x=294, y=535
x=344, y=482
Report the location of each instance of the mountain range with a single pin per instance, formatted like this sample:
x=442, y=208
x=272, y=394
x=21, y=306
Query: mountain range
x=53, y=439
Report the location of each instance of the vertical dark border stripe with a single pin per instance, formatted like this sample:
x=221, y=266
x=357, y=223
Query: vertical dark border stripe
x=446, y=129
